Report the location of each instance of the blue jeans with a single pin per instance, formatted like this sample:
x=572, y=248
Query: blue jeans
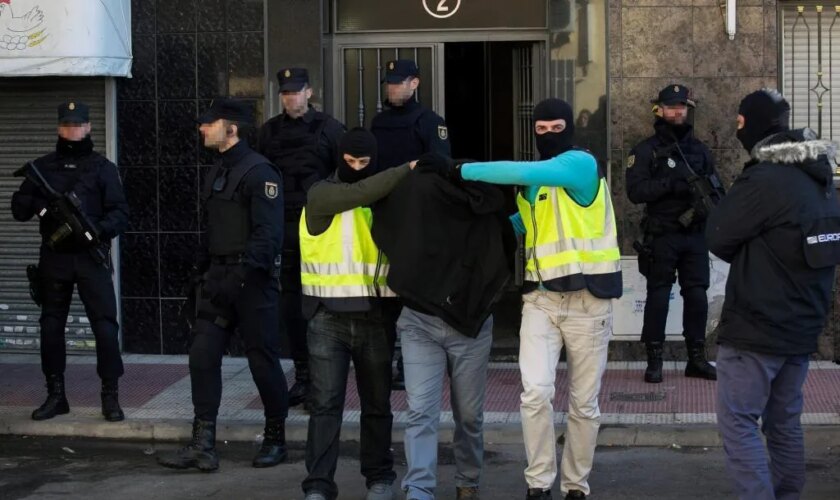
x=334, y=339
x=750, y=386
x=431, y=348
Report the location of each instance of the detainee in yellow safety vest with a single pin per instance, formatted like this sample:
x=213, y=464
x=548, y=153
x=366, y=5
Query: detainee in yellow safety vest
x=572, y=272
x=347, y=301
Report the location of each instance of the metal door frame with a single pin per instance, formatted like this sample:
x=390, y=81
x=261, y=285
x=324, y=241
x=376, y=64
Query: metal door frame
x=436, y=41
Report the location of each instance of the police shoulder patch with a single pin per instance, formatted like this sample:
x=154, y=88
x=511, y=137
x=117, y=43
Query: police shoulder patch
x=443, y=132
x=631, y=160
x=271, y=190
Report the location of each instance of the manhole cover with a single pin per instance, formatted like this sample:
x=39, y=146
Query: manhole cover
x=637, y=396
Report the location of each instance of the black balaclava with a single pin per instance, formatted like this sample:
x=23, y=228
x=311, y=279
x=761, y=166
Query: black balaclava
x=358, y=143
x=765, y=113
x=552, y=144
x=74, y=149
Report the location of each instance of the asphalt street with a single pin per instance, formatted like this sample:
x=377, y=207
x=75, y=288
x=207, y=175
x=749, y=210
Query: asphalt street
x=35, y=468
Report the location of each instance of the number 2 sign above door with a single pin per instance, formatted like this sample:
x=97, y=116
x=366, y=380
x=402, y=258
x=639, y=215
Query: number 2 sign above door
x=361, y=16
x=441, y=9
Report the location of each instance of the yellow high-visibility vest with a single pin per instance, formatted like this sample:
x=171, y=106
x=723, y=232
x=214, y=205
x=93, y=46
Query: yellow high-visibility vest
x=565, y=240
x=343, y=261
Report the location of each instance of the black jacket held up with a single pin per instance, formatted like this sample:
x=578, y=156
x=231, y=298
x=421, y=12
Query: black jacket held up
x=779, y=227
x=448, y=246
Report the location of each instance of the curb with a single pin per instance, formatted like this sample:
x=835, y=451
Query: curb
x=653, y=435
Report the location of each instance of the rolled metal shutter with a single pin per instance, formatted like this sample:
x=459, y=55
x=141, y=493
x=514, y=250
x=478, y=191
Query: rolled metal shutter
x=27, y=131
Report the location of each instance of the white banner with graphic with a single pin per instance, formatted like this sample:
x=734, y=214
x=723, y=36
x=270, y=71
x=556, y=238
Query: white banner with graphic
x=65, y=37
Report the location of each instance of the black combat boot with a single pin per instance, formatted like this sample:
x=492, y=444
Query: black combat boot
x=110, y=401
x=538, y=494
x=56, y=403
x=653, y=373
x=575, y=495
x=200, y=453
x=697, y=365
x=273, y=448
x=299, y=393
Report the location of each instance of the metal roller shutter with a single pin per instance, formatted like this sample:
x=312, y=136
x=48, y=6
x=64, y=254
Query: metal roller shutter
x=27, y=131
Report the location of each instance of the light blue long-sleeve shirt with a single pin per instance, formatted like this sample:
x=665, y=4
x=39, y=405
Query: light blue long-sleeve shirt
x=574, y=170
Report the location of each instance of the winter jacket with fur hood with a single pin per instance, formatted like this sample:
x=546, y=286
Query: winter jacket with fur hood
x=779, y=228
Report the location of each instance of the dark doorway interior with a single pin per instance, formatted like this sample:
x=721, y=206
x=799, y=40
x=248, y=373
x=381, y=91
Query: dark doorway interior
x=480, y=88
x=480, y=104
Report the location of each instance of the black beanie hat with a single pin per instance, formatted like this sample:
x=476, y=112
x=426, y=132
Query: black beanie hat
x=765, y=113
x=552, y=144
x=357, y=142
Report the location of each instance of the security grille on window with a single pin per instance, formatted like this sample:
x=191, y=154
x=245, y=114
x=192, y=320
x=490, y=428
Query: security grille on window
x=811, y=65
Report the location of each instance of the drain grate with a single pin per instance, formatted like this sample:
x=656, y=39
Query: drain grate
x=637, y=396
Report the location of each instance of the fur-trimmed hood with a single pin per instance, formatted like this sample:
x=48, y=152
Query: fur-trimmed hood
x=799, y=147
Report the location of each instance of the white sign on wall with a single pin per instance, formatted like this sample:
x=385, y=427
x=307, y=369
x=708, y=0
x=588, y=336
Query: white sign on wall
x=629, y=310
x=59, y=37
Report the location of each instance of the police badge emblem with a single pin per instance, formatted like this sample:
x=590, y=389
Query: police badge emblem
x=271, y=190
x=287, y=74
x=443, y=132
x=631, y=160
x=391, y=66
x=671, y=163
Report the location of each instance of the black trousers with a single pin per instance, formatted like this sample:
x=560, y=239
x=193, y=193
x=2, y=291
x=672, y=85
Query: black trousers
x=292, y=322
x=254, y=316
x=683, y=256
x=59, y=272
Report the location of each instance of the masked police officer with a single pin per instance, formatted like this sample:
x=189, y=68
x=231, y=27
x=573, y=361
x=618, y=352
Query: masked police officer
x=243, y=200
x=303, y=143
x=666, y=172
x=68, y=258
x=404, y=130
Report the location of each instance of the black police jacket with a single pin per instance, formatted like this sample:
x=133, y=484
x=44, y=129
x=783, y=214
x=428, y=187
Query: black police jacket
x=304, y=149
x=404, y=133
x=779, y=228
x=243, y=201
x=656, y=176
x=448, y=246
x=74, y=166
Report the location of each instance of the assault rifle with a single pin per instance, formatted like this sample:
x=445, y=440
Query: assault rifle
x=67, y=210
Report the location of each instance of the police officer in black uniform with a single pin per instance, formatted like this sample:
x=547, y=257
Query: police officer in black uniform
x=75, y=167
x=404, y=130
x=303, y=143
x=673, y=227
x=243, y=201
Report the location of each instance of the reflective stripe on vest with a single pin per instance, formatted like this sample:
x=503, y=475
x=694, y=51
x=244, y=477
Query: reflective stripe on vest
x=343, y=261
x=564, y=238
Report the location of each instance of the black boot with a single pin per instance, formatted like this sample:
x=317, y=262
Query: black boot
x=653, y=373
x=200, y=453
x=273, y=448
x=56, y=403
x=538, y=494
x=110, y=401
x=299, y=393
x=697, y=365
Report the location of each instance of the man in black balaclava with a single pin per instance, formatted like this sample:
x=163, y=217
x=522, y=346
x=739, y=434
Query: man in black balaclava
x=68, y=258
x=572, y=273
x=777, y=228
x=347, y=305
x=659, y=172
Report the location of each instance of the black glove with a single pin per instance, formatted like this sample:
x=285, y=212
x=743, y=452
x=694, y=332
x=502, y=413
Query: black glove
x=436, y=163
x=679, y=186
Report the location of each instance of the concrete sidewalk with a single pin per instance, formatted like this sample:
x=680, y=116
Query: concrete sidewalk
x=155, y=394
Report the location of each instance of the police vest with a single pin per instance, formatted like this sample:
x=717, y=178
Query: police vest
x=228, y=213
x=397, y=136
x=295, y=152
x=569, y=246
x=343, y=262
